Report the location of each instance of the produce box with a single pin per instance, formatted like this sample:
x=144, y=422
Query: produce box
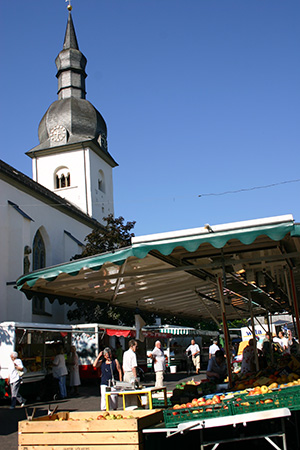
x=87, y=430
x=282, y=398
x=160, y=403
x=288, y=397
x=173, y=417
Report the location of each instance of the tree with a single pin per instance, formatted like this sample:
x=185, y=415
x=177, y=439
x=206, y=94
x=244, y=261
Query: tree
x=114, y=235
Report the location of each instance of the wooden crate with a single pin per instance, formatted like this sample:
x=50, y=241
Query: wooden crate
x=82, y=431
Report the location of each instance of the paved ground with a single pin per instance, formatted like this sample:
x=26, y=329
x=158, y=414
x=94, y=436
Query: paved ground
x=89, y=400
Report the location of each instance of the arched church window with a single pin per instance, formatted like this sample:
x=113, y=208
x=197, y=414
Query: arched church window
x=38, y=262
x=101, y=181
x=62, y=178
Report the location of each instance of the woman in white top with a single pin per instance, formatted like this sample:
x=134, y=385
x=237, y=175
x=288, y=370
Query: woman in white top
x=15, y=380
x=60, y=371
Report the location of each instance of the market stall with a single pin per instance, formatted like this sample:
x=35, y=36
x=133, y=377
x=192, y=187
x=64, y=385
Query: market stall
x=239, y=270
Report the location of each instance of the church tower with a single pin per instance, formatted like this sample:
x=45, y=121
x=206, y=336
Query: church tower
x=72, y=158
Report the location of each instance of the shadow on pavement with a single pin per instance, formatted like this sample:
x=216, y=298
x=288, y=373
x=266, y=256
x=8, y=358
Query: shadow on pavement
x=87, y=400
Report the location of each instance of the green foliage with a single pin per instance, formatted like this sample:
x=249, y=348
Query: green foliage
x=237, y=323
x=115, y=235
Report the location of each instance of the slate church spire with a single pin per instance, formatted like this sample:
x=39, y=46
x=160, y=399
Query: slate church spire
x=72, y=158
x=70, y=65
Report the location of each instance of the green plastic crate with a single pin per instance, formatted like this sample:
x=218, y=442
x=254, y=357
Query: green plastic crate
x=282, y=398
x=160, y=403
x=253, y=403
x=288, y=397
x=173, y=417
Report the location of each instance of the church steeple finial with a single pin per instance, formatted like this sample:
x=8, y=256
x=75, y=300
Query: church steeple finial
x=70, y=65
x=69, y=7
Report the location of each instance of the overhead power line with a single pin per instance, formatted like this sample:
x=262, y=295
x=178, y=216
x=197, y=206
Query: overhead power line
x=248, y=189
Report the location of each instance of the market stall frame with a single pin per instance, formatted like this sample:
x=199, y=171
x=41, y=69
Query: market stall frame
x=179, y=272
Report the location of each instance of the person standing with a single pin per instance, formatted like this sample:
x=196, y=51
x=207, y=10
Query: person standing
x=119, y=353
x=158, y=357
x=60, y=371
x=248, y=361
x=130, y=362
x=15, y=380
x=109, y=369
x=74, y=371
x=213, y=348
x=292, y=343
x=195, y=351
x=267, y=348
x=282, y=341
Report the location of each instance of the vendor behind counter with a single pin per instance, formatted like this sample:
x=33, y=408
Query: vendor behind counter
x=217, y=368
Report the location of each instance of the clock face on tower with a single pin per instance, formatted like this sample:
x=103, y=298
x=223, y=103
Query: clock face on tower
x=58, y=134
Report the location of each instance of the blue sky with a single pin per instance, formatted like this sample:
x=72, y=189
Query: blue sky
x=199, y=96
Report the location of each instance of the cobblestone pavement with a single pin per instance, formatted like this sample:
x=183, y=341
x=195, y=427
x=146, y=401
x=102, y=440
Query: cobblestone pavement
x=87, y=400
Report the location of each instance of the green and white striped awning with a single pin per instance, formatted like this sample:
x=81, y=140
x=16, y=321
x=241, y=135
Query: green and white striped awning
x=175, y=273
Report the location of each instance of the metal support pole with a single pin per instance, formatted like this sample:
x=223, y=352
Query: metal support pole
x=209, y=312
x=295, y=303
x=225, y=329
x=268, y=322
x=253, y=334
x=288, y=287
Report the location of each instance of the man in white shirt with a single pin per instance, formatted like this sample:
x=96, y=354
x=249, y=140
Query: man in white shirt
x=158, y=357
x=15, y=380
x=130, y=362
x=213, y=348
x=195, y=351
x=130, y=370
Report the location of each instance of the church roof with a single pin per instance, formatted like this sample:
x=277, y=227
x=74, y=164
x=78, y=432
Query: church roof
x=72, y=119
x=26, y=184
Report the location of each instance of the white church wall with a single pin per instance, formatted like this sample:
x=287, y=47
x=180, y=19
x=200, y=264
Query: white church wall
x=18, y=232
x=102, y=196
x=73, y=160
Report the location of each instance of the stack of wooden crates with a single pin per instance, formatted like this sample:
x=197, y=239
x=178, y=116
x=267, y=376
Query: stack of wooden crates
x=82, y=431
